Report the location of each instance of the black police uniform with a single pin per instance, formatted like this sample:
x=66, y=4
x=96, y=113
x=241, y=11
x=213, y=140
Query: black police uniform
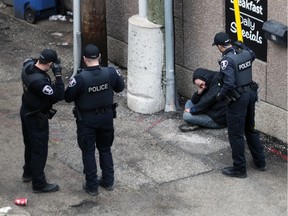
x=240, y=90
x=39, y=94
x=92, y=92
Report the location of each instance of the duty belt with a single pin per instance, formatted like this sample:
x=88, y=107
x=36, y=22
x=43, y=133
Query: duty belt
x=251, y=86
x=243, y=89
x=99, y=110
x=102, y=110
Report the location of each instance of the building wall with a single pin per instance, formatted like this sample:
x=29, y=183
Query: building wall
x=118, y=13
x=196, y=23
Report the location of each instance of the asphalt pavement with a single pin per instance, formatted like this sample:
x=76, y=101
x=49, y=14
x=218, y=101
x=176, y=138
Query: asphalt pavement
x=159, y=170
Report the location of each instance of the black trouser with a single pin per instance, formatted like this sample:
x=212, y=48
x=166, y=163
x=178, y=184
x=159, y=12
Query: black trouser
x=240, y=121
x=96, y=130
x=35, y=129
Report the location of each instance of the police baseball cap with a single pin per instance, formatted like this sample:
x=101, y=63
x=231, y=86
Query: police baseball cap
x=221, y=38
x=91, y=51
x=49, y=55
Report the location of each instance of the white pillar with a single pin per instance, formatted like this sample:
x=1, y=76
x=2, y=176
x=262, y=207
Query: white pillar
x=145, y=92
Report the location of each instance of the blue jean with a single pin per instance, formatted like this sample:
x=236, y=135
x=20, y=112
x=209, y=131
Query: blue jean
x=200, y=119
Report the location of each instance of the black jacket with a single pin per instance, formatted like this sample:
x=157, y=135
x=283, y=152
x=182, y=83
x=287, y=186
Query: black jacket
x=77, y=86
x=206, y=102
x=39, y=92
x=227, y=69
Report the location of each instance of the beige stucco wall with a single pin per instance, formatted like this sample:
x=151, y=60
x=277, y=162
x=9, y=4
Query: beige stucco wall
x=272, y=112
x=196, y=23
x=118, y=13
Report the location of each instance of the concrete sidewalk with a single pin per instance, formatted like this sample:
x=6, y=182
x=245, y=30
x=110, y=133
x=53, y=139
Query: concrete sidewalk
x=158, y=169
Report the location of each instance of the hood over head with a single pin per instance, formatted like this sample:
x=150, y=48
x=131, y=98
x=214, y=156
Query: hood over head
x=203, y=74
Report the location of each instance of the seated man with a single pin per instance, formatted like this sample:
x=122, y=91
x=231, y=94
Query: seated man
x=203, y=109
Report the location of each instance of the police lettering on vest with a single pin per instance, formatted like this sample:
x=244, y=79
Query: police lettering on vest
x=98, y=88
x=98, y=91
x=244, y=65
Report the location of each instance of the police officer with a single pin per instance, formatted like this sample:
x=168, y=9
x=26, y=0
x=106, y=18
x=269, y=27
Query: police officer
x=240, y=92
x=39, y=94
x=92, y=91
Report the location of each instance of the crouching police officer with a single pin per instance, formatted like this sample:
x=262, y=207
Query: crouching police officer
x=240, y=92
x=39, y=94
x=92, y=92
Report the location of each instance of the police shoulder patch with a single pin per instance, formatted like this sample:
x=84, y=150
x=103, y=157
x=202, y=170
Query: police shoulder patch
x=47, y=90
x=224, y=64
x=72, y=82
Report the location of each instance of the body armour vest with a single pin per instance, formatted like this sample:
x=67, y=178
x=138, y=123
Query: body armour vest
x=33, y=101
x=98, y=91
x=243, y=67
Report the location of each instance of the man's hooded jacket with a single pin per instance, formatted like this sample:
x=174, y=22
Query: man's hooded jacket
x=206, y=102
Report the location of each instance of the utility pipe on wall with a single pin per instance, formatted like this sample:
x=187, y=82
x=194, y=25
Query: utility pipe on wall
x=142, y=8
x=169, y=45
x=76, y=36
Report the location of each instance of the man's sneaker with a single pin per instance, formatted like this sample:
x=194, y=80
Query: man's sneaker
x=26, y=178
x=46, y=189
x=108, y=188
x=188, y=127
x=260, y=168
x=90, y=192
x=232, y=172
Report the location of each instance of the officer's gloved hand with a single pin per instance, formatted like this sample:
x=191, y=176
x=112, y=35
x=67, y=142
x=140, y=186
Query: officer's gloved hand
x=239, y=44
x=57, y=69
x=219, y=97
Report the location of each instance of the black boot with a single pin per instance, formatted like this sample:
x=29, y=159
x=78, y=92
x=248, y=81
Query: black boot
x=232, y=172
x=46, y=189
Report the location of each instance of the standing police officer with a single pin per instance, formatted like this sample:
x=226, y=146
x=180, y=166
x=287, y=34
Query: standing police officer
x=39, y=95
x=240, y=92
x=92, y=92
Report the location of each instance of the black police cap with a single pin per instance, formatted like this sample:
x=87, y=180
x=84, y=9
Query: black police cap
x=91, y=51
x=221, y=38
x=49, y=55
